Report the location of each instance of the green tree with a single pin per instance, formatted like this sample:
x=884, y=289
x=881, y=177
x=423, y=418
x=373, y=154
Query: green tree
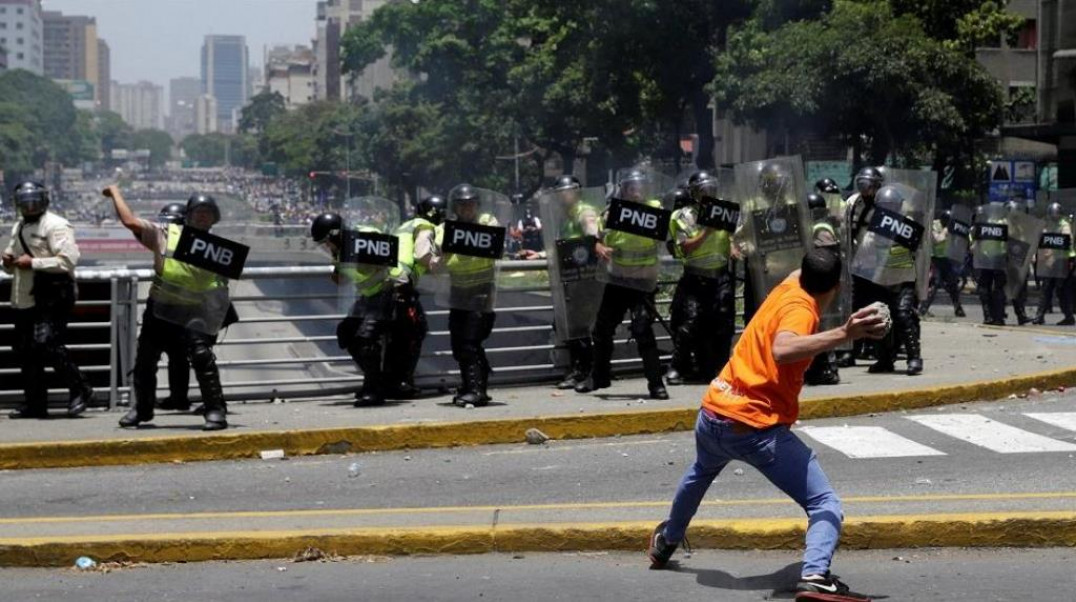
x=207, y=150
x=49, y=115
x=113, y=132
x=17, y=143
x=158, y=142
x=892, y=93
x=261, y=111
x=963, y=25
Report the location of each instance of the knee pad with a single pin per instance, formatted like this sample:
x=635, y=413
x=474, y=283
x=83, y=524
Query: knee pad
x=202, y=356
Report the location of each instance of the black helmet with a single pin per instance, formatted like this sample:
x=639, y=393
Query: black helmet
x=679, y=197
x=633, y=178
x=172, y=213
x=567, y=182
x=327, y=227
x=31, y=199
x=702, y=184
x=869, y=179
x=889, y=195
x=203, y=200
x=462, y=194
x=1053, y=211
x=815, y=201
x=827, y=186
x=772, y=179
x=945, y=217
x=432, y=208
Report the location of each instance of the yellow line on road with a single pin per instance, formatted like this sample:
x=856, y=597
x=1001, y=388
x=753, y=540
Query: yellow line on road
x=1036, y=529
x=522, y=508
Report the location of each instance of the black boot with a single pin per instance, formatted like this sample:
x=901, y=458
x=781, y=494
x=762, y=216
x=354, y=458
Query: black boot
x=599, y=377
x=652, y=370
x=367, y=354
x=175, y=404
x=473, y=392
x=216, y=410
x=142, y=411
x=80, y=401
x=29, y=410
x=958, y=310
x=673, y=377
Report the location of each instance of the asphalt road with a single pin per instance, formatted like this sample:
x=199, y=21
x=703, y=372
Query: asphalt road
x=953, y=575
x=948, y=472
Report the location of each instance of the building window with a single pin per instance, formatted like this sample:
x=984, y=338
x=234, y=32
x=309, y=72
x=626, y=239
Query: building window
x=18, y=11
x=1028, y=36
x=18, y=25
x=19, y=41
x=19, y=56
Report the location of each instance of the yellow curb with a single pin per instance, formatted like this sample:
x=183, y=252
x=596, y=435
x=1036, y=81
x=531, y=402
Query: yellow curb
x=1019, y=529
x=238, y=445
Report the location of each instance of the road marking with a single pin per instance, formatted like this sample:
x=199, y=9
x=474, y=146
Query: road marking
x=868, y=442
x=1065, y=420
x=995, y=436
x=959, y=497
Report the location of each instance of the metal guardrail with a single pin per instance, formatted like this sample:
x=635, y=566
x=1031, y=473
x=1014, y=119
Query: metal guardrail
x=528, y=333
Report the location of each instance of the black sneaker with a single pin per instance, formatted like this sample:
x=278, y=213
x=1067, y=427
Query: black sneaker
x=661, y=551
x=827, y=588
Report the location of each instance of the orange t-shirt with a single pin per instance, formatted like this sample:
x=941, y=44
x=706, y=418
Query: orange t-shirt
x=753, y=388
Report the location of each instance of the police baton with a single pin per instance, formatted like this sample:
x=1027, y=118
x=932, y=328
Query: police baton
x=653, y=308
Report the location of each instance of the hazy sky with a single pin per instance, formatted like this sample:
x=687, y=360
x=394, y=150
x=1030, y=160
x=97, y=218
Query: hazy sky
x=157, y=40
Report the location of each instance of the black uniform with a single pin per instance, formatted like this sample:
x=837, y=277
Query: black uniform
x=44, y=298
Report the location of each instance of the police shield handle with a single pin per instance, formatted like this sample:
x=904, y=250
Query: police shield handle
x=719, y=214
x=474, y=240
x=211, y=253
x=641, y=220
x=370, y=248
x=897, y=228
x=1060, y=242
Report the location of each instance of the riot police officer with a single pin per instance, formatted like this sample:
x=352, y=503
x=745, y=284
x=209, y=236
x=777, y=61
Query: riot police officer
x=362, y=331
x=42, y=256
x=1054, y=266
x=173, y=282
x=823, y=369
x=418, y=244
x=990, y=257
x=471, y=316
x=625, y=256
x=575, y=219
x=1019, y=298
x=867, y=182
x=179, y=368
x=944, y=273
x=703, y=306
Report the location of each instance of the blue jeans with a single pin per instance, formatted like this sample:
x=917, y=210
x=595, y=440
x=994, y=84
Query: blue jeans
x=783, y=459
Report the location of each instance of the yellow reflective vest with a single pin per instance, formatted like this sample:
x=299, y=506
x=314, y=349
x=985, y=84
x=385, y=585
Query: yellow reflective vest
x=464, y=270
x=180, y=283
x=707, y=259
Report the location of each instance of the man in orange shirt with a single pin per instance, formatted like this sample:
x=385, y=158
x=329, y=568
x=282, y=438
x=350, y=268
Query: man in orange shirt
x=749, y=408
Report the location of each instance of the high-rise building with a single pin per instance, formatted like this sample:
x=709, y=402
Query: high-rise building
x=224, y=76
x=139, y=104
x=334, y=17
x=206, y=114
x=104, y=74
x=183, y=94
x=290, y=72
x=70, y=51
x=21, y=33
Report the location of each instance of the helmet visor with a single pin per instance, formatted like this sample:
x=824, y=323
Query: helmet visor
x=31, y=202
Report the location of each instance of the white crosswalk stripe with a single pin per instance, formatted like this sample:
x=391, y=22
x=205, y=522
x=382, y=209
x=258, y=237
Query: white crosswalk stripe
x=993, y=435
x=1065, y=420
x=868, y=442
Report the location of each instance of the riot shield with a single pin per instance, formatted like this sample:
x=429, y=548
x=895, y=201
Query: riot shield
x=193, y=292
x=634, y=227
x=959, y=229
x=926, y=184
x=897, y=226
x=991, y=235
x=1054, y=245
x=1025, y=232
x=369, y=250
x=776, y=229
x=470, y=242
x=570, y=220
